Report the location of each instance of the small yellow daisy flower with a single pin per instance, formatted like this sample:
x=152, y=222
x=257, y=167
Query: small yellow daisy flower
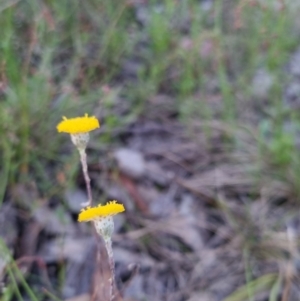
x=78, y=125
x=95, y=213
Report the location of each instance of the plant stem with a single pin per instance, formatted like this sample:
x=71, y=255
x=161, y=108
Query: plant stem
x=108, y=245
x=86, y=177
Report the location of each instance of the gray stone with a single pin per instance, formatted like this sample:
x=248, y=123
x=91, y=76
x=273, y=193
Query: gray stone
x=262, y=82
x=75, y=199
x=130, y=162
x=295, y=63
x=53, y=222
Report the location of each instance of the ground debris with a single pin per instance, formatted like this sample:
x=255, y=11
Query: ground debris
x=188, y=143
x=130, y=162
x=8, y=235
x=75, y=198
x=54, y=222
x=8, y=229
x=83, y=297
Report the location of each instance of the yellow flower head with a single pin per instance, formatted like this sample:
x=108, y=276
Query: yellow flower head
x=78, y=125
x=94, y=213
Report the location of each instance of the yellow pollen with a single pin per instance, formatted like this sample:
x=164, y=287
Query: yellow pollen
x=111, y=208
x=78, y=125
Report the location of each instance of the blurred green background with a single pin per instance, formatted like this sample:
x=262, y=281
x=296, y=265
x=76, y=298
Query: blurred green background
x=207, y=65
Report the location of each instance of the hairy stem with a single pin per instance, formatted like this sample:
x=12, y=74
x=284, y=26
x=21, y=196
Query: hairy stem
x=108, y=245
x=86, y=177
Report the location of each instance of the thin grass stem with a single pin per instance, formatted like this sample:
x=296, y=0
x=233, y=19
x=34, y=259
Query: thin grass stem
x=16, y=271
x=15, y=285
x=50, y=295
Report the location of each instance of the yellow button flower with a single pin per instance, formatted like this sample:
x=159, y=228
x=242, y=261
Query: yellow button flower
x=95, y=213
x=78, y=125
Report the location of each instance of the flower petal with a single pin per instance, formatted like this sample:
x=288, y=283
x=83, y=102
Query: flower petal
x=94, y=213
x=78, y=125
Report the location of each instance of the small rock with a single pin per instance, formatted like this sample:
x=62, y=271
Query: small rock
x=292, y=95
x=130, y=162
x=156, y=174
x=53, y=222
x=124, y=256
x=84, y=297
x=8, y=225
x=164, y=205
x=70, y=248
x=203, y=296
x=142, y=14
x=135, y=289
x=75, y=199
x=262, y=83
x=295, y=63
x=207, y=5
